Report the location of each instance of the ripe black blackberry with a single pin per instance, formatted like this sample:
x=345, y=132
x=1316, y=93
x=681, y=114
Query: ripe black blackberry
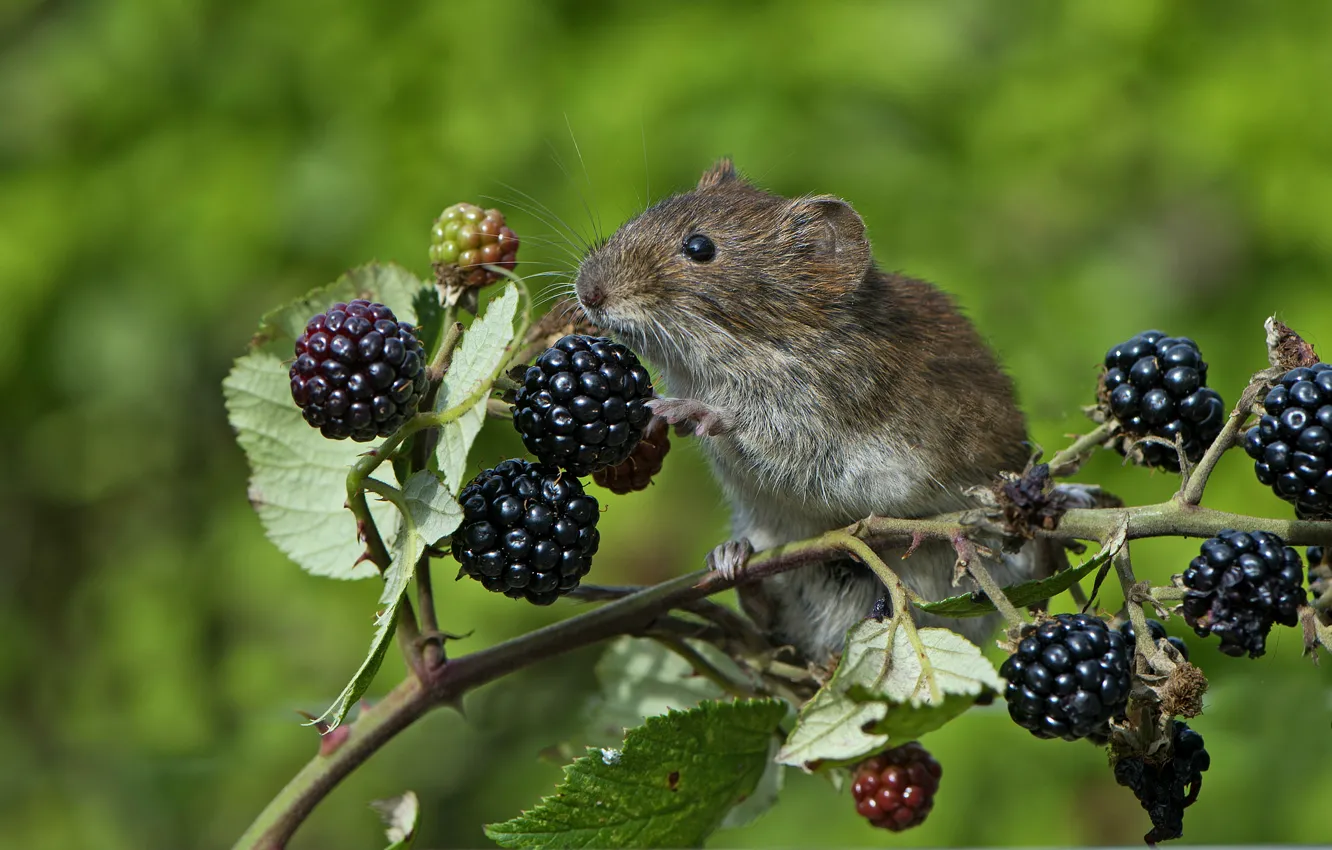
x=1239, y=585
x=1069, y=677
x=895, y=789
x=1158, y=633
x=1292, y=443
x=1167, y=788
x=583, y=405
x=528, y=531
x=1155, y=385
x=359, y=372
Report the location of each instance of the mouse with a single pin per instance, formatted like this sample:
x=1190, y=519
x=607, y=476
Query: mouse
x=822, y=389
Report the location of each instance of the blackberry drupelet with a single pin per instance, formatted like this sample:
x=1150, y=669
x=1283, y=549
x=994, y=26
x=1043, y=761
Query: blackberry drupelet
x=528, y=531
x=1239, y=585
x=583, y=405
x=465, y=237
x=895, y=789
x=1292, y=443
x=1069, y=677
x=645, y=461
x=1166, y=789
x=1155, y=385
x=359, y=372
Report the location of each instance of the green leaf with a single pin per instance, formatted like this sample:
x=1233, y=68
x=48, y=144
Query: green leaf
x=386, y=283
x=1021, y=595
x=473, y=369
x=641, y=678
x=853, y=715
x=428, y=513
x=298, y=478
x=671, y=785
x=402, y=816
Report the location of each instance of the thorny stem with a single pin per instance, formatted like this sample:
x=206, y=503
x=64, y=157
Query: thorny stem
x=1191, y=489
x=448, y=683
x=1146, y=647
x=705, y=668
x=988, y=585
x=1069, y=460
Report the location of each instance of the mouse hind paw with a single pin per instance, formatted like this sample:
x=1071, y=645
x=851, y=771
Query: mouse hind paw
x=730, y=558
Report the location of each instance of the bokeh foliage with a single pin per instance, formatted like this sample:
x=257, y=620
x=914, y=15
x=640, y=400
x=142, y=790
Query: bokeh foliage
x=169, y=170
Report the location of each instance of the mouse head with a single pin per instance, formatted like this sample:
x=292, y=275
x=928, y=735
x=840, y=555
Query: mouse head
x=726, y=269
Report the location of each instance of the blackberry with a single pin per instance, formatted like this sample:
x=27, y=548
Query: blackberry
x=359, y=372
x=1292, y=443
x=463, y=238
x=583, y=406
x=895, y=789
x=1155, y=385
x=635, y=472
x=1167, y=788
x=1069, y=677
x=1158, y=633
x=528, y=531
x=1239, y=585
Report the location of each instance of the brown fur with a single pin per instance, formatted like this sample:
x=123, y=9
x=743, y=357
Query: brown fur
x=847, y=390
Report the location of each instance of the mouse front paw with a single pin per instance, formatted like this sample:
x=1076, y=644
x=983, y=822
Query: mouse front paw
x=730, y=558
x=691, y=417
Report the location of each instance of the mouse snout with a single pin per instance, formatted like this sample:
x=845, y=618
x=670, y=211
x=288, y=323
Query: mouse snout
x=591, y=293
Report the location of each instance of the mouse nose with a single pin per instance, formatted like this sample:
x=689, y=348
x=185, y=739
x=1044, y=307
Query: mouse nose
x=589, y=293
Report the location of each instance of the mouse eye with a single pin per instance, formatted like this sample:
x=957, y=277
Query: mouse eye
x=699, y=248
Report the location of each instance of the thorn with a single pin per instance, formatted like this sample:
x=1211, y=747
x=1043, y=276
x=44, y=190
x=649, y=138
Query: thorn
x=320, y=726
x=365, y=556
x=331, y=741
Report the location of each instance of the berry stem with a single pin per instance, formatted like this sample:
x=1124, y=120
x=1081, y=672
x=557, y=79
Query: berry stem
x=969, y=559
x=705, y=668
x=1071, y=459
x=1147, y=650
x=1315, y=632
x=1191, y=488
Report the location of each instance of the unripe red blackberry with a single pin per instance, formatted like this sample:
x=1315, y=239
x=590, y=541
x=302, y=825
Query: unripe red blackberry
x=1240, y=584
x=895, y=789
x=528, y=531
x=1155, y=385
x=465, y=237
x=583, y=405
x=358, y=372
x=1166, y=788
x=1292, y=443
x=635, y=472
x=1069, y=677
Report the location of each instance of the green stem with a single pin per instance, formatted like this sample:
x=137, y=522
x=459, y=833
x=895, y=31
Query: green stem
x=1191, y=489
x=1071, y=459
x=705, y=668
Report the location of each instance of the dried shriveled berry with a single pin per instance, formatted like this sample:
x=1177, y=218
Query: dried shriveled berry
x=1240, y=584
x=1166, y=788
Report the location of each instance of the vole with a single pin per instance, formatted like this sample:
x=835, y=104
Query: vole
x=824, y=390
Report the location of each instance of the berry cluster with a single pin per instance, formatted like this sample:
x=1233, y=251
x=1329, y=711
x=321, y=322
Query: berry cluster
x=895, y=789
x=464, y=237
x=635, y=472
x=1292, y=443
x=1239, y=585
x=1155, y=386
x=1166, y=789
x=359, y=372
x=527, y=531
x=583, y=405
x=1069, y=677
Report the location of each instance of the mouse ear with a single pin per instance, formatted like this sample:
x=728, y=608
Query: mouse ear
x=836, y=234
x=723, y=171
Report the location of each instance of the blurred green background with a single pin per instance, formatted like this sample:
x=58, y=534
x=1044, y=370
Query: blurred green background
x=1075, y=173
